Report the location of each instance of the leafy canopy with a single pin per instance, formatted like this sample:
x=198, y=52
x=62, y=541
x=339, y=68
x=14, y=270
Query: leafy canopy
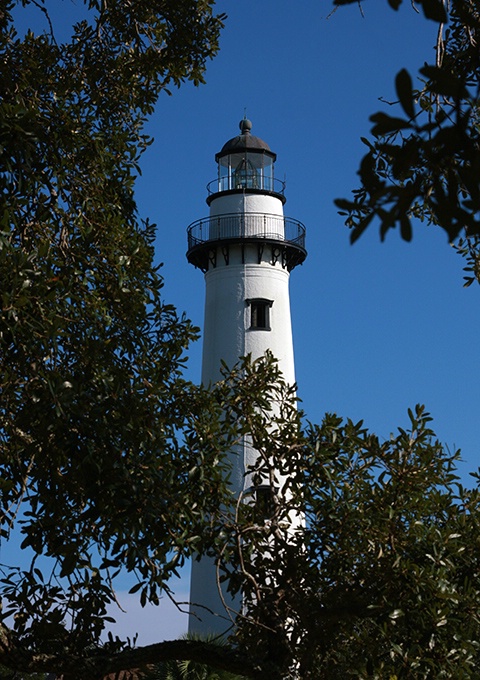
x=105, y=450
x=382, y=578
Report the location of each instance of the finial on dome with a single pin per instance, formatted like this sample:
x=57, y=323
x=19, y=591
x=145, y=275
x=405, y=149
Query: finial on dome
x=245, y=126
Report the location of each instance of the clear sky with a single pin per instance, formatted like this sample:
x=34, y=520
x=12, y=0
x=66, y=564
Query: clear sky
x=377, y=327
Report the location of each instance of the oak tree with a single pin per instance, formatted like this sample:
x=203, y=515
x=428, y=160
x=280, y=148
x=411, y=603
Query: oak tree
x=381, y=579
x=105, y=449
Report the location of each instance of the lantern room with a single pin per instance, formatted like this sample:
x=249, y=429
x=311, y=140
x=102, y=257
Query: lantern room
x=246, y=163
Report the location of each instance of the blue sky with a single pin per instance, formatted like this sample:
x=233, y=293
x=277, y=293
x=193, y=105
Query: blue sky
x=377, y=327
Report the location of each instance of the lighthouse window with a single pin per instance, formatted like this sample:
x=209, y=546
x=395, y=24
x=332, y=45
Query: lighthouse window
x=264, y=501
x=260, y=313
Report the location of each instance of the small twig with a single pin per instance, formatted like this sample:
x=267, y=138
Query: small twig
x=359, y=2
x=43, y=9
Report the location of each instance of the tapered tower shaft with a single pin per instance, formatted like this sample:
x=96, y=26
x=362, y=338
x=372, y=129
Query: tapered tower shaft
x=247, y=248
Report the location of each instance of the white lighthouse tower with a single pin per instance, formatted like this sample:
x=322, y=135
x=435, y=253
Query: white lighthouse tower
x=247, y=248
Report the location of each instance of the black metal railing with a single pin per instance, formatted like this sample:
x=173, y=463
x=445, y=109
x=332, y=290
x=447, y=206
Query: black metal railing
x=247, y=226
x=245, y=181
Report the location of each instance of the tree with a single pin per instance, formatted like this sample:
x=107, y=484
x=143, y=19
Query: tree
x=382, y=579
x=105, y=448
x=423, y=163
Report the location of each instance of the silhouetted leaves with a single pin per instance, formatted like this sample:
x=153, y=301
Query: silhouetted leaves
x=403, y=86
x=434, y=9
x=427, y=166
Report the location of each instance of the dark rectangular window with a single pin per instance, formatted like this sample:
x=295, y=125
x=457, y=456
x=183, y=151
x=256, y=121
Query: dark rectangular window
x=260, y=313
x=264, y=501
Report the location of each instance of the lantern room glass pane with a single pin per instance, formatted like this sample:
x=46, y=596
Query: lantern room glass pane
x=246, y=176
x=245, y=171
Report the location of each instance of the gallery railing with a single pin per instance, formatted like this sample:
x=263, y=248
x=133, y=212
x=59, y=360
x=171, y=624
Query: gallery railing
x=247, y=226
x=246, y=181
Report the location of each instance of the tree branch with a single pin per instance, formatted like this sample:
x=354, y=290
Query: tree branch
x=101, y=663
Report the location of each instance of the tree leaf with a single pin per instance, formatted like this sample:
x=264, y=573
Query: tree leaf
x=434, y=9
x=403, y=86
x=444, y=82
x=385, y=124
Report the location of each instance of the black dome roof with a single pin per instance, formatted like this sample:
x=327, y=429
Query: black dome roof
x=245, y=142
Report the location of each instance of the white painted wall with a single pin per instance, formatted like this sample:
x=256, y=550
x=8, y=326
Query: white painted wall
x=227, y=333
x=243, y=202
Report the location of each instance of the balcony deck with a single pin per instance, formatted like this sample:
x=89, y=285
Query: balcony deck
x=241, y=228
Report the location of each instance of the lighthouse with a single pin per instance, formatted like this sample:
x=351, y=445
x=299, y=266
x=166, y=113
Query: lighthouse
x=246, y=248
